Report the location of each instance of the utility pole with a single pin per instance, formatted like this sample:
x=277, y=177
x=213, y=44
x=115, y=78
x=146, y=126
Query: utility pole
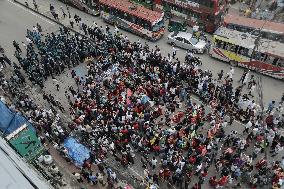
x=259, y=84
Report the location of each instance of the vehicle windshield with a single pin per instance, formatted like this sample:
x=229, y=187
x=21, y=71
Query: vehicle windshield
x=158, y=26
x=193, y=40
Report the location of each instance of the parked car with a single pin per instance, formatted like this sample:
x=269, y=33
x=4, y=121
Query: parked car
x=186, y=41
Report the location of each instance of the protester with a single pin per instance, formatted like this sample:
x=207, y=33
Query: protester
x=133, y=101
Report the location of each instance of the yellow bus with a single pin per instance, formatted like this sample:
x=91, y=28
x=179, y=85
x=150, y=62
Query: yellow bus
x=240, y=49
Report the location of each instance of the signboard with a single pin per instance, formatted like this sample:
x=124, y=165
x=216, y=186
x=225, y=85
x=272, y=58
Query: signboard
x=25, y=142
x=186, y=3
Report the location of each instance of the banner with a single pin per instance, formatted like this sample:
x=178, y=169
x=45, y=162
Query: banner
x=25, y=142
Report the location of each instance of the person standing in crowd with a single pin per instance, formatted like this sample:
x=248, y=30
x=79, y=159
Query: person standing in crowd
x=35, y=5
x=132, y=101
x=63, y=12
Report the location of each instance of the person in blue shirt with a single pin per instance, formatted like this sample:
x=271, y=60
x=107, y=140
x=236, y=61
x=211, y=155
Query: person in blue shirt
x=271, y=106
x=93, y=178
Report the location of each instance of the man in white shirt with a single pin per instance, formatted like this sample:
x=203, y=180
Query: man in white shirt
x=174, y=52
x=169, y=58
x=113, y=176
x=231, y=73
x=154, y=162
x=247, y=126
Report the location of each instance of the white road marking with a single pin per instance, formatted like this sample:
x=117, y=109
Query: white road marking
x=135, y=172
x=31, y=12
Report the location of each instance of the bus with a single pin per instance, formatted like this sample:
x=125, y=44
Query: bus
x=137, y=19
x=208, y=14
x=248, y=51
x=269, y=30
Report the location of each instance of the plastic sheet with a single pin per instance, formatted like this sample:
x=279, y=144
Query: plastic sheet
x=76, y=151
x=10, y=121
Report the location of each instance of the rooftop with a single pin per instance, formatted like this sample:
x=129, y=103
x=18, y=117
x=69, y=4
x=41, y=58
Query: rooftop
x=15, y=173
x=255, y=23
x=247, y=40
x=138, y=11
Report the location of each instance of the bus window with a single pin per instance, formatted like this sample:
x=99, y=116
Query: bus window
x=272, y=36
x=224, y=45
x=145, y=24
x=133, y=19
x=119, y=13
x=243, y=51
x=281, y=37
x=272, y=60
x=158, y=25
x=275, y=61
x=113, y=12
x=263, y=57
x=281, y=63
x=228, y=47
x=127, y=17
x=234, y=48
x=138, y=21
x=231, y=26
x=107, y=9
x=243, y=29
x=124, y=15
x=256, y=55
x=219, y=43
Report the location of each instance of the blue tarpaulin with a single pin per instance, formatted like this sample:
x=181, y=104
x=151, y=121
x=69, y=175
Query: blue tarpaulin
x=10, y=121
x=76, y=151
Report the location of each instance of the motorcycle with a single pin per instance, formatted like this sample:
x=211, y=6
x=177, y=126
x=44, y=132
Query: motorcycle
x=193, y=60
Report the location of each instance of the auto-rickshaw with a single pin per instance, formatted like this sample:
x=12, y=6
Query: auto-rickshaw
x=177, y=25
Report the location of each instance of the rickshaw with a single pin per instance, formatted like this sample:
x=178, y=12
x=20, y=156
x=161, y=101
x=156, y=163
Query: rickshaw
x=177, y=25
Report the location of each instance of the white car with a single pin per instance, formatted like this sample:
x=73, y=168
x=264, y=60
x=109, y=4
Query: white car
x=186, y=41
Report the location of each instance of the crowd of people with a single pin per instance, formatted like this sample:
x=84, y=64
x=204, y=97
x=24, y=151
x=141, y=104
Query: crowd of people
x=51, y=55
x=134, y=102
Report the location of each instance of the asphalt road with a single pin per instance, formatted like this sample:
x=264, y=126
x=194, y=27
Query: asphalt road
x=15, y=19
x=12, y=27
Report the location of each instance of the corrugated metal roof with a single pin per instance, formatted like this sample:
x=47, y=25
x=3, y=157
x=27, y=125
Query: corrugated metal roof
x=15, y=173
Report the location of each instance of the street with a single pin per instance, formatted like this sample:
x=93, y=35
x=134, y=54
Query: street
x=14, y=29
x=15, y=19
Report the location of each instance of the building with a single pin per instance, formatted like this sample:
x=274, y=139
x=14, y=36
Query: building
x=15, y=173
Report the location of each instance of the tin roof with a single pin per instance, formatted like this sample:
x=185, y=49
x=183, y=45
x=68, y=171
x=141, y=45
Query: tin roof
x=15, y=173
x=247, y=40
x=255, y=23
x=139, y=11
